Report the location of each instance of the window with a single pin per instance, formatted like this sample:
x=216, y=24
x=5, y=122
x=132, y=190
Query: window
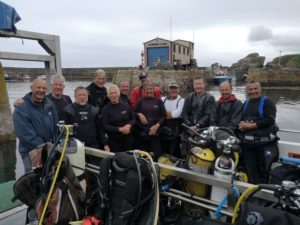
x=174, y=48
x=184, y=51
x=179, y=49
x=188, y=51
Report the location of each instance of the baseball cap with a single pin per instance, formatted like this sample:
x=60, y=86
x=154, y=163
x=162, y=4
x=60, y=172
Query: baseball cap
x=143, y=74
x=173, y=83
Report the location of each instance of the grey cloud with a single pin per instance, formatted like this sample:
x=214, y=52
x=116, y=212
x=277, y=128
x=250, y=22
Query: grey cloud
x=287, y=42
x=260, y=33
x=113, y=32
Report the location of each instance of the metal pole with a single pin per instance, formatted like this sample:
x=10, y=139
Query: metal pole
x=213, y=208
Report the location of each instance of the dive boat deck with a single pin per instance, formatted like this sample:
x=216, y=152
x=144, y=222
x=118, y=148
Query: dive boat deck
x=17, y=215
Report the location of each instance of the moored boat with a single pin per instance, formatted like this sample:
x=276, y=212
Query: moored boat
x=218, y=79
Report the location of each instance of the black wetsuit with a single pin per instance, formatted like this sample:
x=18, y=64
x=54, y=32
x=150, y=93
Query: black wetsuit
x=113, y=117
x=154, y=110
x=196, y=110
x=226, y=114
x=97, y=96
x=89, y=128
x=124, y=99
x=60, y=103
x=254, y=156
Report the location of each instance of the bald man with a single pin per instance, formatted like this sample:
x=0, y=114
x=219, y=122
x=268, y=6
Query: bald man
x=227, y=111
x=34, y=120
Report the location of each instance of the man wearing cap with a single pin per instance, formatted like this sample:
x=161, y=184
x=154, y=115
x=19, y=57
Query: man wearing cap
x=138, y=92
x=170, y=130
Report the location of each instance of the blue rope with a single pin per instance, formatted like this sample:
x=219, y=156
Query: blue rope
x=220, y=206
x=236, y=194
x=165, y=187
x=235, y=191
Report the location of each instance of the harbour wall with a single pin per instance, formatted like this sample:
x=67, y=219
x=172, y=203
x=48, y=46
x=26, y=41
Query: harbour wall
x=288, y=77
x=161, y=78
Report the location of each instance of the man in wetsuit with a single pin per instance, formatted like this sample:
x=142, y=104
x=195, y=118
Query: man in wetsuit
x=227, y=111
x=89, y=128
x=197, y=106
x=124, y=87
x=56, y=96
x=97, y=90
x=257, y=131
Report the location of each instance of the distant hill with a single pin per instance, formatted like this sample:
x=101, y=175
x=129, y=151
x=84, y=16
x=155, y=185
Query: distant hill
x=286, y=61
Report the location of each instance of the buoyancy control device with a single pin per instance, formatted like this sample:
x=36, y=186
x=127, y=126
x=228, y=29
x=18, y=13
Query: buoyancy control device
x=128, y=190
x=55, y=192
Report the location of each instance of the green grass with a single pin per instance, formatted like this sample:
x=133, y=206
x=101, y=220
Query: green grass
x=291, y=61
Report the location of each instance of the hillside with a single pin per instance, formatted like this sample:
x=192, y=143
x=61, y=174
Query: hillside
x=286, y=61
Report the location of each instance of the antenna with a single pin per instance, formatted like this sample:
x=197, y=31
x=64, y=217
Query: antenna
x=193, y=35
x=279, y=58
x=170, y=20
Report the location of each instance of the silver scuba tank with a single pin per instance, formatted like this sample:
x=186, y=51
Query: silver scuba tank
x=223, y=169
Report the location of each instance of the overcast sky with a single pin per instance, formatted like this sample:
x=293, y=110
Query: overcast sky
x=95, y=33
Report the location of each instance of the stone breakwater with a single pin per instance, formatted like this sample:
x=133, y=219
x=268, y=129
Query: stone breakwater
x=276, y=77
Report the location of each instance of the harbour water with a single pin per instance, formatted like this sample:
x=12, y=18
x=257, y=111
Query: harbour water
x=287, y=102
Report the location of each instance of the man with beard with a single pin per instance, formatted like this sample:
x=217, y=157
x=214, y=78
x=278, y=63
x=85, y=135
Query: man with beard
x=227, y=111
x=257, y=131
x=89, y=128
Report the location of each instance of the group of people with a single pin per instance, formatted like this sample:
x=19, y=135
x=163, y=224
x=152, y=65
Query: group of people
x=115, y=119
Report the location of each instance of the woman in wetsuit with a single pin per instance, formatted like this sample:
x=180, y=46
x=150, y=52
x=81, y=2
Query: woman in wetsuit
x=150, y=113
x=118, y=120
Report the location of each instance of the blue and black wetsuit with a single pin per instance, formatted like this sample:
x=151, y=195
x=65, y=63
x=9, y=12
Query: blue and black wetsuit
x=258, y=145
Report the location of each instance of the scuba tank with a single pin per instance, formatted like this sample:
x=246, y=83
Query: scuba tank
x=223, y=169
x=199, y=160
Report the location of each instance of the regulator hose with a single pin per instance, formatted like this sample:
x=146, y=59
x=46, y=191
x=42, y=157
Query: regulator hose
x=245, y=194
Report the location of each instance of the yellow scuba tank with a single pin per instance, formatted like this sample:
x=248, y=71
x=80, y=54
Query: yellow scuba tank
x=199, y=160
x=169, y=160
